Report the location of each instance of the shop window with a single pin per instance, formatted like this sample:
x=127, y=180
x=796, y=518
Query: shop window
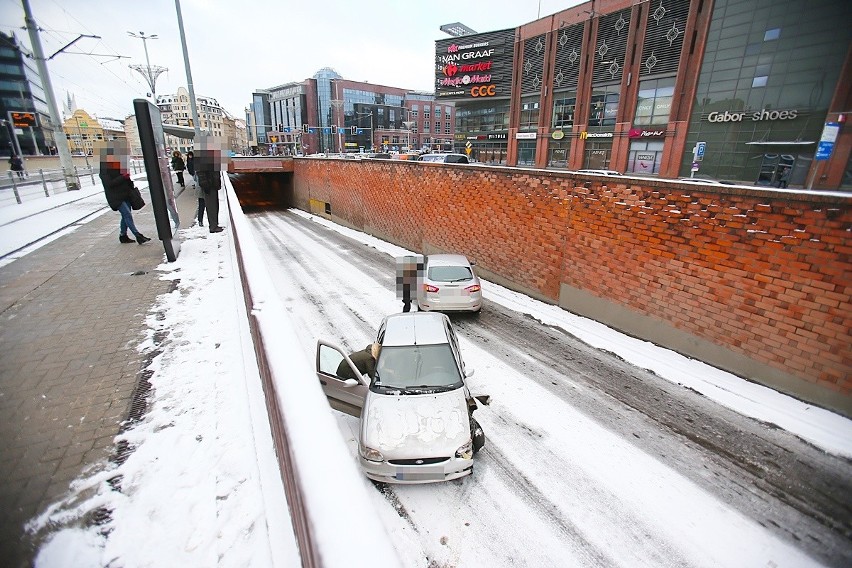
x=563, y=109
x=558, y=154
x=596, y=156
x=645, y=157
x=654, y=102
x=604, y=105
x=526, y=152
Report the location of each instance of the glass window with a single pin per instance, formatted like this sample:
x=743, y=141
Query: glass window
x=759, y=81
x=563, y=109
x=529, y=113
x=603, y=105
x=654, y=101
x=772, y=34
x=526, y=152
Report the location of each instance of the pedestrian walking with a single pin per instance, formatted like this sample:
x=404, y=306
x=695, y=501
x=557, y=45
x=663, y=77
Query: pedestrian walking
x=118, y=186
x=178, y=166
x=208, y=173
x=16, y=164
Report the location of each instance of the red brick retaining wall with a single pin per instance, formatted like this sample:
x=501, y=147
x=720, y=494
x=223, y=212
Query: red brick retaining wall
x=756, y=281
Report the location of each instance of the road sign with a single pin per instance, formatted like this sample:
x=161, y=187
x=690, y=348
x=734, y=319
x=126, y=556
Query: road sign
x=468, y=145
x=700, y=148
x=827, y=140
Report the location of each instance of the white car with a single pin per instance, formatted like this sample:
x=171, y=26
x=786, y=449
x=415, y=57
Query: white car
x=416, y=412
x=449, y=285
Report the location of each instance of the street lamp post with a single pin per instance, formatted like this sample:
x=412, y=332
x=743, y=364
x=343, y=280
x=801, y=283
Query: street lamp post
x=150, y=73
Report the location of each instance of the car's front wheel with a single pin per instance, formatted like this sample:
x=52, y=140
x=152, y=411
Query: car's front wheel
x=477, y=434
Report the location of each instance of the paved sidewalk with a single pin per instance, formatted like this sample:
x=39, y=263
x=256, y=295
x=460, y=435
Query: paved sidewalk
x=71, y=316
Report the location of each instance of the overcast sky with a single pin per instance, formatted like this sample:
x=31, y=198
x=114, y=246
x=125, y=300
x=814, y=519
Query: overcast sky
x=236, y=47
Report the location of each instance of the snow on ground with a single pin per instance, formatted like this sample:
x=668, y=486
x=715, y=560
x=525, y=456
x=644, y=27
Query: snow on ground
x=825, y=429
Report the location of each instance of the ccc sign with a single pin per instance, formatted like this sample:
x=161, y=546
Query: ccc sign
x=483, y=91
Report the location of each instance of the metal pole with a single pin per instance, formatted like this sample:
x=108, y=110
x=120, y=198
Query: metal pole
x=188, y=72
x=14, y=187
x=58, y=135
x=43, y=182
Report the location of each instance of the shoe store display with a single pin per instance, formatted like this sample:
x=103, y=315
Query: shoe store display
x=140, y=238
x=124, y=239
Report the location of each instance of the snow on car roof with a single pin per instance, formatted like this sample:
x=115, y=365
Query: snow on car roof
x=414, y=328
x=447, y=260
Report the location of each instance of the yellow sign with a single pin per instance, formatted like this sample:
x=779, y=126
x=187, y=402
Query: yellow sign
x=558, y=135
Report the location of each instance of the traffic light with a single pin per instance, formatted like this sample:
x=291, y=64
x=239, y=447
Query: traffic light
x=305, y=128
x=280, y=127
x=333, y=129
x=353, y=130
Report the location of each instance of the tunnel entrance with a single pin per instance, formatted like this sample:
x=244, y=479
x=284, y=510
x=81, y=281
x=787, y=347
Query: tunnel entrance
x=263, y=190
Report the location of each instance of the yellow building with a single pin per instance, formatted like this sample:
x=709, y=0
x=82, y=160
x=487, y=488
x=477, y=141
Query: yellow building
x=85, y=133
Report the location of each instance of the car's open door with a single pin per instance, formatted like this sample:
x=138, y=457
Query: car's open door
x=343, y=395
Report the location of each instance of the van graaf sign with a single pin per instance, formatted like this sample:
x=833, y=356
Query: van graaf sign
x=477, y=67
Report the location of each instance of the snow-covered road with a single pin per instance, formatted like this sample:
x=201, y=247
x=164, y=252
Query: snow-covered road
x=589, y=461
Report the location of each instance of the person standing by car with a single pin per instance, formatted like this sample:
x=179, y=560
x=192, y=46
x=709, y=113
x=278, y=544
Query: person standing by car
x=178, y=166
x=117, y=187
x=209, y=177
x=409, y=274
x=365, y=361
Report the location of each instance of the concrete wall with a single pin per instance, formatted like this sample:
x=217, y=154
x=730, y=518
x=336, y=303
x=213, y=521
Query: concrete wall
x=754, y=281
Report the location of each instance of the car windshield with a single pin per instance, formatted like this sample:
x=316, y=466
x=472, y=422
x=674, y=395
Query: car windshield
x=449, y=273
x=413, y=369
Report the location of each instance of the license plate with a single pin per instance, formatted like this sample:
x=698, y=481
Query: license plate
x=419, y=473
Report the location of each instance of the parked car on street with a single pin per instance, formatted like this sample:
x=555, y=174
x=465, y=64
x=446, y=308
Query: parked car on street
x=416, y=412
x=445, y=158
x=449, y=285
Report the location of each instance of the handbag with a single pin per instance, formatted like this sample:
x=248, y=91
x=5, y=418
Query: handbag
x=136, y=201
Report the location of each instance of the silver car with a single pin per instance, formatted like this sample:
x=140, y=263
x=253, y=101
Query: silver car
x=449, y=285
x=416, y=411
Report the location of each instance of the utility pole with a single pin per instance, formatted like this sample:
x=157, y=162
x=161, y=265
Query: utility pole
x=65, y=160
x=192, y=103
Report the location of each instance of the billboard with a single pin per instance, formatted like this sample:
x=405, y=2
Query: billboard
x=475, y=66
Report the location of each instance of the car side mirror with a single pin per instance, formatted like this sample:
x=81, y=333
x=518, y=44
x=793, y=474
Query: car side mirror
x=468, y=373
x=351, y=383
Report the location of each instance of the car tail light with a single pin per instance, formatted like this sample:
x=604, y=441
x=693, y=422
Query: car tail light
x=473, y=288
x=430, y=288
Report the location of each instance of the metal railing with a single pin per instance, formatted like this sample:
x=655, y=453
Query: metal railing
x=29, y=183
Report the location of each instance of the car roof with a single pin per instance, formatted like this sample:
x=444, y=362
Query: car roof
x=602, y=172
x=415, y=328
x=447, y=260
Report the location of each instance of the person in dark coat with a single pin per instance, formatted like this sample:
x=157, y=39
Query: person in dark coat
x=117, y=186
x=208, y=173
x=178, y=166
x=16, y=164
x=365, y=361
x=199, y=193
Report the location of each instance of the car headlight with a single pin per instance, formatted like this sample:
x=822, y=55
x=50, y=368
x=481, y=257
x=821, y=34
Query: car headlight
x=370, y=454
x=465, y=451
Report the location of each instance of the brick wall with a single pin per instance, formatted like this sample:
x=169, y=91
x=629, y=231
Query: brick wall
x=753, y=275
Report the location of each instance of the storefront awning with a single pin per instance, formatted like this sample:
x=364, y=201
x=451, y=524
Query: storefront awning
x=781, y=143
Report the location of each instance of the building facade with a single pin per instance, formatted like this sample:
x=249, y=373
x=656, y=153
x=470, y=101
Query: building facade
x=330, y=114
x=24, y=116
x=85, y=132
x=746, y=90
x=176, y=109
